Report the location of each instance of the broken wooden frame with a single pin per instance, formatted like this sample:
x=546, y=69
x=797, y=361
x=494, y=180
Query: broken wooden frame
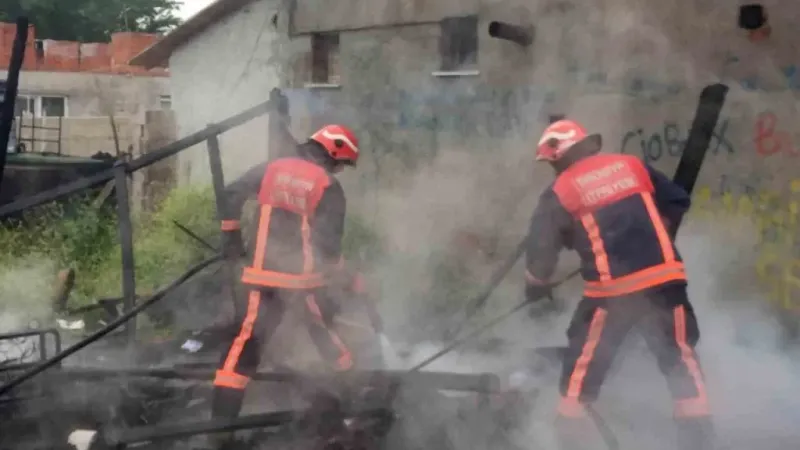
x=304, y=424
x=485, y=383
x=119, y=175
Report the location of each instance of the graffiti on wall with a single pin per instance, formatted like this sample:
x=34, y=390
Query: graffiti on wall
x=776, y=216
x=490, y=111
x=460, y=107
x=770, y=138
x=668, y=139
x=787, y=77
x=634, y=85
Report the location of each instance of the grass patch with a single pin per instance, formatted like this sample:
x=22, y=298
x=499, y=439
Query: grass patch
x=83, y=237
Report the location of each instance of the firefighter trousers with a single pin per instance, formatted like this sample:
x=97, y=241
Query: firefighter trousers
x=264, y=312
x=667, y=321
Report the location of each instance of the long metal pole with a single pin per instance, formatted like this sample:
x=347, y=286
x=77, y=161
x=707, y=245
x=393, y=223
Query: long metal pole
x=125, y=228
x=10, y=94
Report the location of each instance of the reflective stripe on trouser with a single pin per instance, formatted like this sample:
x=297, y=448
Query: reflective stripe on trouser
x=263, y=315
x=330, y=345
x=265, y=310
x=599, y=327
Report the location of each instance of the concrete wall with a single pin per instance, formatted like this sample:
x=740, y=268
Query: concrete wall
x=227, y=69
x=631, y=70
x=81, y=136
x=90, y=94
x=151, y=184
x=86, y=136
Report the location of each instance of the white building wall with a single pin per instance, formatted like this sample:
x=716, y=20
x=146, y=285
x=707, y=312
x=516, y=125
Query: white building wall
x=222, y=72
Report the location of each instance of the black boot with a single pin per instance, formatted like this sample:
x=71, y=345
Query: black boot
x=695, y=433
x=225, y=404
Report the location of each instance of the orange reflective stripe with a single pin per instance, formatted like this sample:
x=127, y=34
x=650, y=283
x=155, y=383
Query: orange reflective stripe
x=229, y=225
x=262, y=235
x=345, y=360
x=575, y=385
x=233, y=380
x=637, y=281
x=692, y=407
x=661, y=231
x=697, y=406
x=313, y=307
x=598, y=247
x=245, y=333
x=268, y=278
x=308, y=256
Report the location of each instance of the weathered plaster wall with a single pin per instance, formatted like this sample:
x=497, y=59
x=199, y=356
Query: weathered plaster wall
x=631, y=70
x=227, y=69
x=92, y=95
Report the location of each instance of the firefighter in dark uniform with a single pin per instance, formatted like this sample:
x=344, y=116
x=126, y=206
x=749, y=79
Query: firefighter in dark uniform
x=297, y=256
x=618, y=214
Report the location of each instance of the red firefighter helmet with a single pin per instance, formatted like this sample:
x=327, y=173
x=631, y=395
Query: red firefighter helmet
x=559, y=137
x=340, y=143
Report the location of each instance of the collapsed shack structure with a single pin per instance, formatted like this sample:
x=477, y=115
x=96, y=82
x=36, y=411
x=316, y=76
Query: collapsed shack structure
x=41, y=393
x=371, y=409
x=42, y=402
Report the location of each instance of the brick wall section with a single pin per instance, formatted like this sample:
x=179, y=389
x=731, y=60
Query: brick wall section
x=66, y=56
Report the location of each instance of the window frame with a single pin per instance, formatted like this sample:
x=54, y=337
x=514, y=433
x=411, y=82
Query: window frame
x=36, y=100
x=324, y=68
x=458, y=44
x=30, y=105
x=40, y=104
x=161, y=99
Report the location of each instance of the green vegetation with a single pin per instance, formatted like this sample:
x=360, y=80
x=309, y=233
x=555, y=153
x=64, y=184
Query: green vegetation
x=93, y=20
x=83, y=237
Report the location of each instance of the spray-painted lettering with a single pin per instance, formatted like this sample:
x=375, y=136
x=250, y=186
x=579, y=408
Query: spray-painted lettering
x=470, y=110
x=790, y=77
x=769, y=139
x=739, y=185
x=790, y=81
x=593, y=80
x=669, y=140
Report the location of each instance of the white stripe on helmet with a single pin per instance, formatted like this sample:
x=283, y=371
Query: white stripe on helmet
x=556, y=135
x=333, y=136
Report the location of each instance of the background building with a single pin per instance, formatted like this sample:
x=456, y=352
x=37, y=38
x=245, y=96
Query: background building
x=84, y=84
x=424, y=81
